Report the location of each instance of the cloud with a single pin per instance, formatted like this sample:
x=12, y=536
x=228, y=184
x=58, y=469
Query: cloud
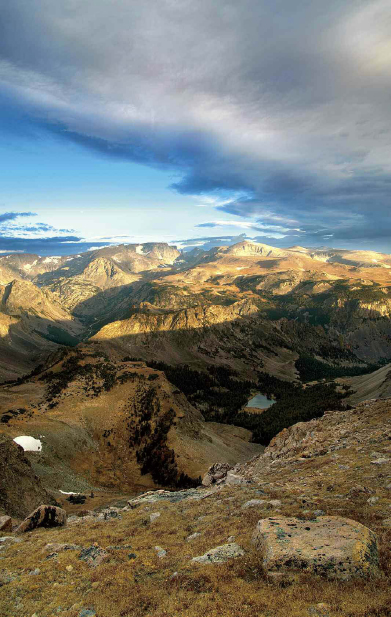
x=254, y=225
x=279, y=109
x=40, y=238
x=52, y=245
x=11, y=216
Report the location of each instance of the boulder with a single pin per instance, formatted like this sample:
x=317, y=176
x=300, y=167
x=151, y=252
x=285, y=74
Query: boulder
x=193, y=536
x=331, y=546
x=220, y=554
x=215, y=473
x=44, y=516
x=5, y=523
x=254, y=503
x=233, y=479
x=358, y=491
x=161, y=552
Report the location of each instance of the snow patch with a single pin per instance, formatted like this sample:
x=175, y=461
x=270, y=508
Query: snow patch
x=29, y=444
x=29, y=266
x=70, y=493
x=49, y=260
x=140, y=250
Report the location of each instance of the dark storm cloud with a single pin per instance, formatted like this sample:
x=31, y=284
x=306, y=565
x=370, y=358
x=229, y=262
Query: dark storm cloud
x=283, y=105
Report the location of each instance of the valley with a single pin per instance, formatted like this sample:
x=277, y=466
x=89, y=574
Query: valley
x=88, y=341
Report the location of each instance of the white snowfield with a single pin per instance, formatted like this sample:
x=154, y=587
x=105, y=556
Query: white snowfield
x=51, y=259
x=29, y=444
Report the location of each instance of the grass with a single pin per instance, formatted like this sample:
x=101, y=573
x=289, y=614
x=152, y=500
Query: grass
x=145, y=586
x=135, y=582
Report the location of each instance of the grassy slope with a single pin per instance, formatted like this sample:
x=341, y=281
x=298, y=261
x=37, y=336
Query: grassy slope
x=143, y=587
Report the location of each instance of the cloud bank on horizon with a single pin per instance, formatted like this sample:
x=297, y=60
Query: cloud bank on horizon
x=276, y=114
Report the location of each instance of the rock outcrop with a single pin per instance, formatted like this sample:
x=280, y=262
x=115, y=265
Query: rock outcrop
x=20, y=488
x=216, y=473
x=220, y=554
x=330, y=546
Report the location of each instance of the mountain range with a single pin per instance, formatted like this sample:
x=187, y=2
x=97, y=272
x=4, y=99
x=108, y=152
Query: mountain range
x=136, y=361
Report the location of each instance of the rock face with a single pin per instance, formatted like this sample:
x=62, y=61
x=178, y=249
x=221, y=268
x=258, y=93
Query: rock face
x=5, y=523
x=220, y=554
x=20, y=488
x=44, y=516
x=331, y=546
x=32, y=325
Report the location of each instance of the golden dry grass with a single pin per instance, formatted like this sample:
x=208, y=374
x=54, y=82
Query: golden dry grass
x=145, y=587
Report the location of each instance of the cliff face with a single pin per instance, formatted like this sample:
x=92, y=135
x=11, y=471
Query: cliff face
x=32, y=325
x=191, y=318
x=20, y=298
x=20, y=489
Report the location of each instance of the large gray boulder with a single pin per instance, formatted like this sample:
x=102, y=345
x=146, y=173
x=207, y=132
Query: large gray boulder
x=331, y=546
x=44, y=516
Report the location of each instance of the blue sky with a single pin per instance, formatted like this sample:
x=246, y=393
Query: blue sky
x=135, y=121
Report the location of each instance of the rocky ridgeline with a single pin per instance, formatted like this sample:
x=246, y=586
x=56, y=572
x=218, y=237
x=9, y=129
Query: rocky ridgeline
x=363, y=434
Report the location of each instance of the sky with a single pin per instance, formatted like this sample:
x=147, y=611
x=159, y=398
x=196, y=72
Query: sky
x=194, y=123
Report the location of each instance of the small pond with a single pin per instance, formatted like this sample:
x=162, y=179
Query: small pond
x=260, y=401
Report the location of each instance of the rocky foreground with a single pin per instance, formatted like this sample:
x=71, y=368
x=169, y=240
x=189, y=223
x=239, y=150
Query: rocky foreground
x=304, y=529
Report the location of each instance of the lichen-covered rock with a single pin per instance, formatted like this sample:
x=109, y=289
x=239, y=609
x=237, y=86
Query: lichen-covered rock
x=220, y=554
x=93, y=555
x=44, y=516
x=331, y=546
x=171, y=496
